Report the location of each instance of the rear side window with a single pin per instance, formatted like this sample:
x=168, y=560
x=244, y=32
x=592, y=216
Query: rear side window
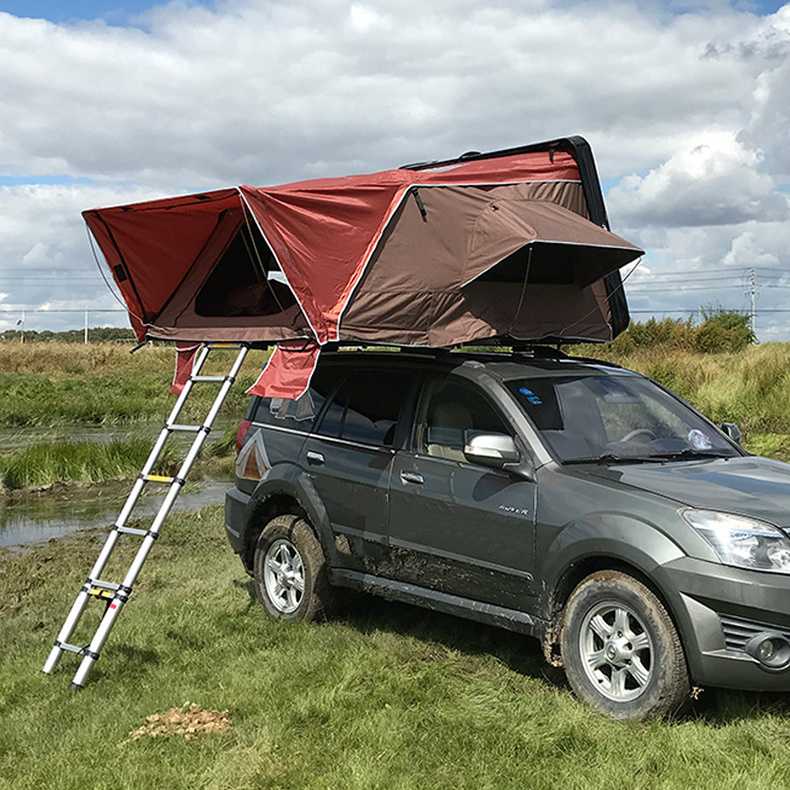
x=298, y=414
x=366, y=407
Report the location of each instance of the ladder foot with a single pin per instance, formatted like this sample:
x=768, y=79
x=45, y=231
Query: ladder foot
x=75, y=686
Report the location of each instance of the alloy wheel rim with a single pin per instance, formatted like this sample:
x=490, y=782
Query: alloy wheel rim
x=616, y=651
x=283, y=576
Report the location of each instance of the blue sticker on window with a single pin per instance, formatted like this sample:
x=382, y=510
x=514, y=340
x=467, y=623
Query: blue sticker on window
x=530, y=396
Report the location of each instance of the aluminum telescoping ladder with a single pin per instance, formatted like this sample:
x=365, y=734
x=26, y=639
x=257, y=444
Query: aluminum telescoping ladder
x=116, y=595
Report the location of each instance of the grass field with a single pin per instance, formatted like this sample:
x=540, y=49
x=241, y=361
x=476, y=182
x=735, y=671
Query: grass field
x=386, y=696
x=54, y=383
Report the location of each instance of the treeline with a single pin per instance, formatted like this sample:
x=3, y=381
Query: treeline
x=720, y=331
x=99, y=334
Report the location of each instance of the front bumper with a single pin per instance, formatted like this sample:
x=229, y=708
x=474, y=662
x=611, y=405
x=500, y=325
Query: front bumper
x=706, y=599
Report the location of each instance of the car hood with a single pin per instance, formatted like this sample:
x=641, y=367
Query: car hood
x=750, y=486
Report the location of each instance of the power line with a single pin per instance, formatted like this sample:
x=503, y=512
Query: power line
x=61, y=310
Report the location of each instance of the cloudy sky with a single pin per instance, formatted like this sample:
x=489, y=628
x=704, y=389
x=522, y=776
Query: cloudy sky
x=686, y=105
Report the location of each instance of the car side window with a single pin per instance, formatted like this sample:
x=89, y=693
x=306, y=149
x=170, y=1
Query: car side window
x=450, y=413
x=366, y=407
x=298, y=414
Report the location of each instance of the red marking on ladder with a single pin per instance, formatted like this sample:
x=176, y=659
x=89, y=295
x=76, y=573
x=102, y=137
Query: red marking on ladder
x=113, y=606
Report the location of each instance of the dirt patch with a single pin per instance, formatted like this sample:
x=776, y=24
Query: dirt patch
x=188, y=722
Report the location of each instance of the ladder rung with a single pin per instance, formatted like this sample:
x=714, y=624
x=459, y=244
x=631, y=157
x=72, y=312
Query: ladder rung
x=158, y=479
x=103, y=585
x=97, y=593
x=71, y=648
x=187, y=428
x=208, y=378
x=132, y=531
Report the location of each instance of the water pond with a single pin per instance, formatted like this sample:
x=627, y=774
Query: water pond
x=37, y=516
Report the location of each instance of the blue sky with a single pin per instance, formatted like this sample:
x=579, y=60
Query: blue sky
x=112, y=11
x=684, y=103
x=118, y=12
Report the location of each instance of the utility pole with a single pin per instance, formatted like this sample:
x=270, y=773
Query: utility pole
x=752, y=293
x=86, y=326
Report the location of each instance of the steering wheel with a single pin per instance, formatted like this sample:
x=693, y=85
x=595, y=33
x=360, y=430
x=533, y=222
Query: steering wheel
x=631, y=435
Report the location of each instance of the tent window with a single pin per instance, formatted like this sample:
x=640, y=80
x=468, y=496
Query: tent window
x=246, y=280
x=541, y=272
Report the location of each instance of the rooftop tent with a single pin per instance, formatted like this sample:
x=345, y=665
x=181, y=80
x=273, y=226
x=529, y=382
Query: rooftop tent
x=505, y=244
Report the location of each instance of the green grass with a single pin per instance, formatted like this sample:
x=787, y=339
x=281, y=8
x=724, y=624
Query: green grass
x=387, y=696
x=49, y=384
x=82, y=462
x=88, y=462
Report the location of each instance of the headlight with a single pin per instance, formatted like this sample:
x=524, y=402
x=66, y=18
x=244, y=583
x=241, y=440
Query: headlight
x=741, y=541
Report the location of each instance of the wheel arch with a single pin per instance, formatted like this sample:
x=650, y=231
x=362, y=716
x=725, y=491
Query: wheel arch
x=573, y=575
x=289, y=493
x=261, y=511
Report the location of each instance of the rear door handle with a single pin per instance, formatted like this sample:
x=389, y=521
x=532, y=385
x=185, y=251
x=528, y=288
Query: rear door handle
x=411, y=477
x=315, y=458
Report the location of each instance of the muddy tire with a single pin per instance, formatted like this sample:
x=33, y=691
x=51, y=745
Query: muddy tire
x=290, y=571
x=621, y=650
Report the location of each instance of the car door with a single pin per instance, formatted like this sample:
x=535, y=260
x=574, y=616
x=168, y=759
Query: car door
x=456, y=526
x=348, y=457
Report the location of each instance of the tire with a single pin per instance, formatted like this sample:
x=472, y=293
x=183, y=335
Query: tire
x=290, y=571
x=621, y=650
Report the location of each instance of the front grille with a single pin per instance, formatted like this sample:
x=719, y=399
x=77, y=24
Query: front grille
x=737, y=631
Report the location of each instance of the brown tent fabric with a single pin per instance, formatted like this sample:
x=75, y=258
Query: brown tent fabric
x=467, y=263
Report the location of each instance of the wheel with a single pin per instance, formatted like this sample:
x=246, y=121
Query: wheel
x=291, y=576
x=621, y=651
x=646, y=432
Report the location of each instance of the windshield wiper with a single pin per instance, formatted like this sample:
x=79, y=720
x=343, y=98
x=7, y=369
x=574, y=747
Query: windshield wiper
x=611, y=458
x=689, y=453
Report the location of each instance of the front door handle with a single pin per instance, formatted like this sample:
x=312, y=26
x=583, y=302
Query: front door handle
x=315, y=458
x=411, y=477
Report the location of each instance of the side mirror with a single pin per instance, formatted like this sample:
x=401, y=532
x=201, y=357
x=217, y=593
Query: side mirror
x=732, y=431
x=492, y=449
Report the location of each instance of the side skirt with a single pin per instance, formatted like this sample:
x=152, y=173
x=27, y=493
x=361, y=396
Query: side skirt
x=510, y=619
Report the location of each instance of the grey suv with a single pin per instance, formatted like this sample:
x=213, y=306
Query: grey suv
x=567, y=499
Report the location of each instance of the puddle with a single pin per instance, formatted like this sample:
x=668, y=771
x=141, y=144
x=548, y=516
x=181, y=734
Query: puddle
x=39, y=516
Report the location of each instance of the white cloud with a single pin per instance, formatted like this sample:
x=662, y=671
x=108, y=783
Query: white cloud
x=714, y=181
x=688, y=109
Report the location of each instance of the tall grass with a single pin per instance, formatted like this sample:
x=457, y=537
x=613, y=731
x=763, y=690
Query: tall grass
x=387, y=696
x=53, y=383
x=83, y=462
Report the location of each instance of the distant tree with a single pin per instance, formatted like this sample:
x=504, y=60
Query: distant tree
x=99, y=334
x=721, y=330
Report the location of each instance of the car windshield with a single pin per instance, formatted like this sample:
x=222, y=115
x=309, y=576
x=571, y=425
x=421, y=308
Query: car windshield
x=611, y=418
